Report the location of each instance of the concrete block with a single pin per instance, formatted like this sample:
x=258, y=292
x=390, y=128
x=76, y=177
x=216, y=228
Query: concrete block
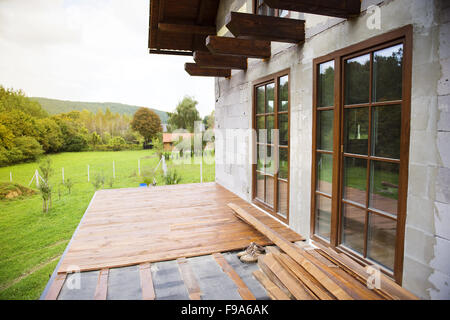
x=444, y=42
x=444, y=114
x=419, y=244
x=124, y=284
x=443, y=146
x=423, y=148
x=441, y=260
x=424, y=77
x=444, y=82
x=442, y=220
x=420, y=213
x=423, y=112
x=443, y=185
x=440, y=289
x=416, y=277
x=418, y=180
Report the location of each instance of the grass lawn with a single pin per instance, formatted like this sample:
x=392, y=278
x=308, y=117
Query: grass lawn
x=32, y=242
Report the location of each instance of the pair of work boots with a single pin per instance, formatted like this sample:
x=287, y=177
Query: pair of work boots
x=251, y=253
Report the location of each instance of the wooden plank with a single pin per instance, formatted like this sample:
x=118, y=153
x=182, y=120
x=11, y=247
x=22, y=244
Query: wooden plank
x=239, y=47
x=186, y=28
x=102, y=285
x=274, y=292
x=333, y=8
x=389, y=289
x=301, y=274
x=148, y=291
x=195, y=70
x=219, y=61
x=293, y=252
x=295, y=286
x=243, y=290
x=254, y=26
x=189, y=279
x=56, y=286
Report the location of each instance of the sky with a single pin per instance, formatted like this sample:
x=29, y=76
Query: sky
x=97, y=51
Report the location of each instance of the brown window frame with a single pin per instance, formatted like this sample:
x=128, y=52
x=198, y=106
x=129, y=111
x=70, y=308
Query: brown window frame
x=273, y=78
x=277, y=11
x=401, y=35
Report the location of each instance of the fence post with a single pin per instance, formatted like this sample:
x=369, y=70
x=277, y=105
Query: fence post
x=63, y=175
x=139, y=167
x=88, y=173
x=10, y=176
x=36, y=174
x=114, y=170
x=201, y=169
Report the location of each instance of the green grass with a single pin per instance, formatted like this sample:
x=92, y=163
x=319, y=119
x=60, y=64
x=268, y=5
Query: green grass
x=31, y=242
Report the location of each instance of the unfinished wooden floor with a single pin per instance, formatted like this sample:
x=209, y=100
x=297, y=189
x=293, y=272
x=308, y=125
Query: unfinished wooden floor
x=126, y=227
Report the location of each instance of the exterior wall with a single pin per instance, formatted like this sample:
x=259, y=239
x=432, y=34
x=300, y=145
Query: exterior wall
x=427, y=236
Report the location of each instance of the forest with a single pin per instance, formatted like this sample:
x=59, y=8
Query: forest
x=27, y=131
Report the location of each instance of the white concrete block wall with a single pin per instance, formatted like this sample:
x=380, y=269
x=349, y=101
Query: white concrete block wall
x=427, y=234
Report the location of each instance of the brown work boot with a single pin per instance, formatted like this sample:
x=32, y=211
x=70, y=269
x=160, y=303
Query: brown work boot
x=252, y=246
x=252, y=256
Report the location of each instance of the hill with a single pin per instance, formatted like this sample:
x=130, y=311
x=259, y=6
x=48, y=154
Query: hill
x=54, y=106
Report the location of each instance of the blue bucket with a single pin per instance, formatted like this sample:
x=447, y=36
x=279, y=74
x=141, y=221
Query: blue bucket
x=142, y=185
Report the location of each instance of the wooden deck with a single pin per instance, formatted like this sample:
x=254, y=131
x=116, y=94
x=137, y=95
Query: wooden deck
x=126, y=227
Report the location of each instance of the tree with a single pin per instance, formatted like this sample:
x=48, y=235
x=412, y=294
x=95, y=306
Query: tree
x=185, y=115
x=147, y=123
x=208, y=121
x=95, y=139
x=49, y=135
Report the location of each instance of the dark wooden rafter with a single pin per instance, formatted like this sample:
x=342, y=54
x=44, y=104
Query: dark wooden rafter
x=209, y=60
x=194, y=70
x=252, y=26
x=239, y=47
x=333, y=8
x=186, y=28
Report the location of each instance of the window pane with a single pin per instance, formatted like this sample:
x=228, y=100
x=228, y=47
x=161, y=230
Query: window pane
x=270, y=126
x=283, y=94
x=269, y=190
x=260, y=125
x=260, y=97
x=381, y=240
x=357, y=80
x=384, y=186
x=326, y=85
x=283, y=125
x=325, y=130
x=261, y=157
x=353, y=225
x=355, y=180
x=386, y=131
x=284, y=163
x=324, y=172
x=270, y=164
x=356, y=130
x=282, y=198
x=260, y=186
x=387, y=74
x=323, y=217
x=270, y=97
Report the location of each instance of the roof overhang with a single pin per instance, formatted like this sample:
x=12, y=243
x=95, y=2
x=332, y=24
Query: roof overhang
x=181, y=27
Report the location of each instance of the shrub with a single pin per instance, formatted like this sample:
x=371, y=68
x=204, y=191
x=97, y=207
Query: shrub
x=29, y=148
x=172, y=177
x=99, y=181
x=69, y=184
x=117, y=143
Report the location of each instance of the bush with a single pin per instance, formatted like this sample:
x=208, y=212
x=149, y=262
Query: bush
x=28, y=147
x=172, y=177
x=99, y=181
x=117, y=143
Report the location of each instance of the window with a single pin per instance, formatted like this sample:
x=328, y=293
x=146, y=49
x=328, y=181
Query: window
x=263, y=9
x=360, y=149
x=271, y=122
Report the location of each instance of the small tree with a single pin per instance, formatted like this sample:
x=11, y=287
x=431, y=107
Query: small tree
x=99, y=181
x=69, y=184
x=147, y=123
x=46, y=170
x=158, y=146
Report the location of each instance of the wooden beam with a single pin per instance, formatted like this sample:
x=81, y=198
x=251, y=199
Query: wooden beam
x=253, y=26
x=102, y=285
x=186, y=28
x=171, y=52
x=292, y=251
x=272, y=289
x=194, y=70
x=148, y=291
x=259, y=49
x=56, y=286
x=243, y=290
x=189, y=279
x=209, y=60
x=333, y=8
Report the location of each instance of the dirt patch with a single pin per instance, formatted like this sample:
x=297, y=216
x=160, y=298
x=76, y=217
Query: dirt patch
x=14, y=190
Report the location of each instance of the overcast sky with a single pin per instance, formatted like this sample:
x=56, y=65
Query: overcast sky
x=92, y=50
